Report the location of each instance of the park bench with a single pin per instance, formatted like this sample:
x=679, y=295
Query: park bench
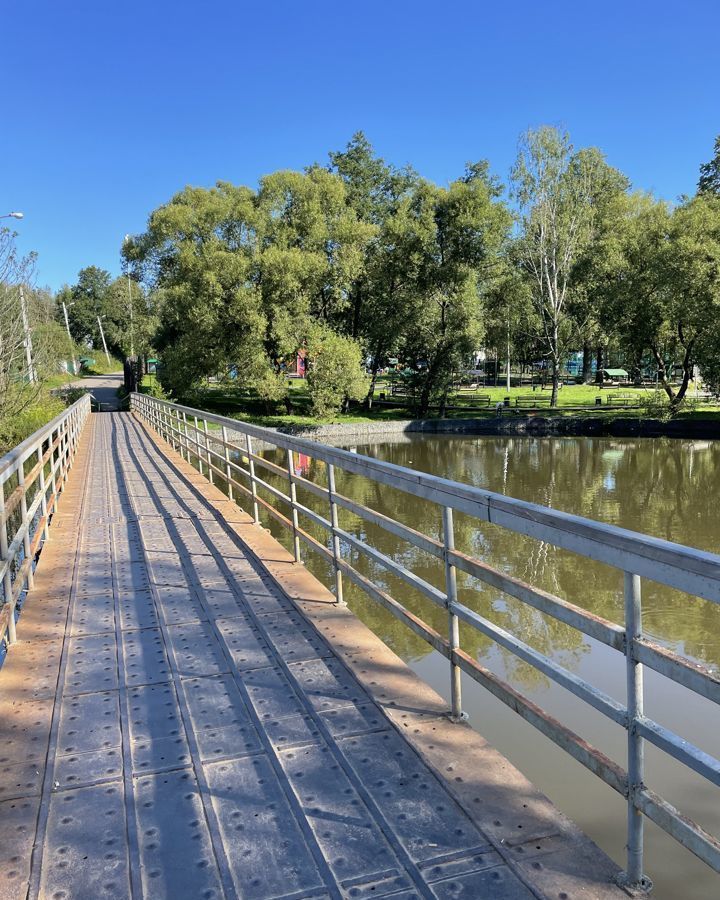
x=532, y=400
x=622, y=400
x=481, y=400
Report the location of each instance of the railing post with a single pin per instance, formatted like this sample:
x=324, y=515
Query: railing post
x=293, y=504
x=25, y=524
x=228, y=473
x=199, y=456
x=207, y=451
x=335, y=538
x=62, y=448
x=43, y=489
x=188, y=441
x=7, y=580
x=456, y=712
x=181, y=446
x=168, y=426
x=634, y=877
x=253, y=486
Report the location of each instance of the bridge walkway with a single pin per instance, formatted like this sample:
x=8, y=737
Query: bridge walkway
x=187, y=714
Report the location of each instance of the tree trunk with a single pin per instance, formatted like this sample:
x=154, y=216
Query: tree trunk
x=373, y=382
x=555, y=383
x=357, y=308
x=443, y=401
x=429, y=383
x=599, y=365
x=662, y=375
x=687, y=372
x=587, y=363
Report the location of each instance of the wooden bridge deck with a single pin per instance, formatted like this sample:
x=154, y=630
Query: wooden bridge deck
x=188, y=715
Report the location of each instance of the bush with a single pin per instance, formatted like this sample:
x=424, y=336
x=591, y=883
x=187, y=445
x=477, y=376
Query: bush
x=336, y=373
x=657, y=406
x=152, y=387
x=69, y=394
x=15, y=429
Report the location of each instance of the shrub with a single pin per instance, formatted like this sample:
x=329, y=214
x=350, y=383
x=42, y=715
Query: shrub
x=336, y=375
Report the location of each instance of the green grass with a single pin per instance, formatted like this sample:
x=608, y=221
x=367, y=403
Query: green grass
x=101, y=366
x=14, y=429
x=573, y=400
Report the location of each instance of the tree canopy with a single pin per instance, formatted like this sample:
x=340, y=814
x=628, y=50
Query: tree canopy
x=378, y=263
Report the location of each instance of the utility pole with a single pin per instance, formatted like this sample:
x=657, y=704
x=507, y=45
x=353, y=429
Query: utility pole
x=132, y=330
x=102, y=335
x=67, y=327
x=130, y=304
x=27, y=339
x=508, y=351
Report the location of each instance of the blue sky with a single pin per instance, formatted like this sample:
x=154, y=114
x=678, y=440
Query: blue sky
x=108, y=109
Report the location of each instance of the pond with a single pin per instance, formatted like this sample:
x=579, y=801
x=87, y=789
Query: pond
x=662, y=487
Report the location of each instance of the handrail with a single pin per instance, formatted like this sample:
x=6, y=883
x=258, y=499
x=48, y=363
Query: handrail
x=635, y=555
x=25, y=512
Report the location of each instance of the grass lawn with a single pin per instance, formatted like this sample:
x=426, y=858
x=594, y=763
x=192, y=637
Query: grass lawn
x=573, y=400
x=101, y=366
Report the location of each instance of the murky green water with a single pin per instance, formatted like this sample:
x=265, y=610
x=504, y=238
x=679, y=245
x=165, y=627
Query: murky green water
x=661, y=487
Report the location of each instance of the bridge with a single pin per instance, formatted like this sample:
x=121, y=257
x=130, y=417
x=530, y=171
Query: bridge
x=185, y=711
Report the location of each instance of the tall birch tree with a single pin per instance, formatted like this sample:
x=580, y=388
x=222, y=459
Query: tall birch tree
x=556, y=190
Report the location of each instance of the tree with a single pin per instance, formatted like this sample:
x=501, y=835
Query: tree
x=199, y=257
x=557, y=190
x=335, y=373
x=663, y=286
x=17, y=390
x=709, y=182
x=458, y=234
x=693, y=273
x=373, y=189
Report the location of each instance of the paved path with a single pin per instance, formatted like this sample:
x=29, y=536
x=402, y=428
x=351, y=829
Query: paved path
x=172, y=725
x=103, y=388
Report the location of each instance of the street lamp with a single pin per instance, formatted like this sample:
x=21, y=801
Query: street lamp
x=13, y=215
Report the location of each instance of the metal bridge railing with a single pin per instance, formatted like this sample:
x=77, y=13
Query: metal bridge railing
x=32, y=475
x=636, y=555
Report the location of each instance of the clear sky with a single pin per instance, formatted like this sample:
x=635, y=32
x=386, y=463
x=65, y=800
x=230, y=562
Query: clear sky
x=110, y=108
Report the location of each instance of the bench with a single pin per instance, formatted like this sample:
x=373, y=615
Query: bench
x=622, y=400
x=532, y=400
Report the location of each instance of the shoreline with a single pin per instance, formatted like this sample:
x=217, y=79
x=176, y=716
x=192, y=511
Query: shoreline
x=531, y=426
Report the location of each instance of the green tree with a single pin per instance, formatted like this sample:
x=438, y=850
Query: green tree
x=663, y=286
x=373, y=189
x=335, y=373
x=458, y=234
x=312, y=252
x=709, y=182
x=199, y=255
x=558, y=191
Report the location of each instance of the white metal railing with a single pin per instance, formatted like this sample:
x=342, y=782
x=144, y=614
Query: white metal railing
x=32, y=476
x=636, y=555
